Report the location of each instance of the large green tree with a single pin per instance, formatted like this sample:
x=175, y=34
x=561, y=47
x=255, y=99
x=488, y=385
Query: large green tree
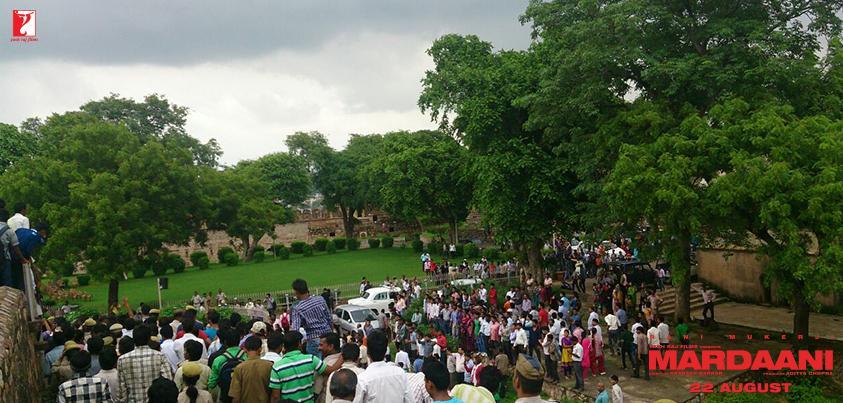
x=425, y=175
x=523, y=181
x=15, y=145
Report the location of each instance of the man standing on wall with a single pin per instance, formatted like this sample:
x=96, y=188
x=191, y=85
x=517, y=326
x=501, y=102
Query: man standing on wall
x=311, y=314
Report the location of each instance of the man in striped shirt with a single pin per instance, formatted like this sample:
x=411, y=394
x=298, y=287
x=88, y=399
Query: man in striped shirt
x=311, y=314
x=292, y=376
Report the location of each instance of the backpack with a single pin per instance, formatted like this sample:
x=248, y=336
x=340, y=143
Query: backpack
x=226, y=371
x=3, y=248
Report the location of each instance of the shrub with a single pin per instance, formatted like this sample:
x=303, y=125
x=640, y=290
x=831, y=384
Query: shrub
x=374, y=242
x=472, y=251
x=81, y=313
x=203, y=263
x=259, y=248
x=508, y=255
x=387, y=242
x=283, y=252
x=434, y=247
x=222, y=252
x=66, y=269
x=83, y=279
x=418, y=246
x=231, y=259
x=331, y=248
x=173, y=262
x=195, y=257
x=307, y=250
x=353, y=243
x=159, y=269
x=259, y=256
x=459, y=250
x=139, y=272
x=339, y=243
x=493, y=254
x=276, y=249
x=297, y=246
x=320, y=244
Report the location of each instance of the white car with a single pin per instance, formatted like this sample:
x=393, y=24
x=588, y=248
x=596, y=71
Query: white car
x=378, y=298
x=465, y=282
x=347, y=317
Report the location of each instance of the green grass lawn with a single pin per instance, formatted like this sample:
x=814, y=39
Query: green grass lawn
x=271, y=275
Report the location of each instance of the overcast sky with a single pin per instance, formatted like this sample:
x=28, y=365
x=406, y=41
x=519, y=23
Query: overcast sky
x=251, y=72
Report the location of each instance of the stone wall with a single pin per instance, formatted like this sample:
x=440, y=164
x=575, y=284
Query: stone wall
x=20, y=367
x=738, y=273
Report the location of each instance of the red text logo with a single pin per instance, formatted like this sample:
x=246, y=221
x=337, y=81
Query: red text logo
x=23, y=26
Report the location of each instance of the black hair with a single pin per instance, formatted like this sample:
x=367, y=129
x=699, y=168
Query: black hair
x=231, y=338
x=332, y=339
x=300, y=286
x=253, y=343
x=343, y=384
x=436, y=373
x=129, y=323
x=59, y=338
x=108, y=358
x=163, y=390
x=274, y=340
x=125, y=345
x=4, y=215
x=234, y=319
x=193, y=349
x=142, y=334
x=188, y=325
x=212, y=316
x=377, y=342
x=94, y=345
x=490, y=378
x=191, y=391
x=350, y=352
x=80, y=361
x=166, y=332
x=292, y=341
x=529, y=386
x=19, y=207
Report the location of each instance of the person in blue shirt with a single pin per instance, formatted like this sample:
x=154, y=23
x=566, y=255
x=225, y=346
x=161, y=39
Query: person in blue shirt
x=28, y=240
x=603, y=396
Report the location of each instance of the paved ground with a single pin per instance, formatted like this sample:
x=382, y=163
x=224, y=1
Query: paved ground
x=775, y=319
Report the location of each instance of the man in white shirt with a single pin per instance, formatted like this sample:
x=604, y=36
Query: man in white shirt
x=521, y=338
x=274, y=346
x=19, y=220
x=664, y=332
x=613, y=325
x=482, y=292
x=382, y=382
x=190, y=331
x=168, y=348
x=350, y=353
x=577, y=356
x=653, y=335
x=401, y=357
x=617, y=393
x=593, y=316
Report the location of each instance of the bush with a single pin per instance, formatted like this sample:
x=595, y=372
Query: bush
x=173, y=262
x=283, y=253
x=222, y=252
x=387, y=242
x=259, y=248
x=460, y=250
x=320, y=244
x=374, y=242
x=418, y=246
x=195, y=257
x=353, y=243
x=66, y=269
x=298, y=246
x=81, y=313
x=508, y=255
x=434, y=247
x=276, y=248
x=339, y=243
x=259, y=256
x=331, y=248
x=83, y=279
x=231, y=259
x=139, y=272
x=472, y=251
x=203, y=263
x=307, y=251
x=492, y=254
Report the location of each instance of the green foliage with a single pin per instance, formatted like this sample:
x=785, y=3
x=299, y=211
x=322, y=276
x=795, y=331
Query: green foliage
x=353, y=243
x=173, y=262
x=434, y=247
x=374, y=242
x=259, y=256
x=298, y=246
x=259, y=248
x=286, y=174
x=203, y=263
x=159, y=269
x=276, y=248
x=508, y=255
x=459, y=250
x=139, y=271
x=231, y=259
x=283, y=253
x=307, y=250
x=66, y=269
x=81, y=313
x=320, y=244
x=387, y=242
x=340, y=243
x=83, y=279
x=418, y=245
x=15, y=146
x=197, y=257
x=492, y=254
x=472, y=251
x=225, y=250
x=331, y=247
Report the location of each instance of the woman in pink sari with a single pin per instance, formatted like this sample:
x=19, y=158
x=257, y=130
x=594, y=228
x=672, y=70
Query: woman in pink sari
x=586, y=356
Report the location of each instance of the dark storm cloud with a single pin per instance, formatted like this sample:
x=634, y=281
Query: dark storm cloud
x=188, y=32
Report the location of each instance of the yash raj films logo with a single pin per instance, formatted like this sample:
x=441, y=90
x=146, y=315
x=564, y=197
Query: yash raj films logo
x=714, y=361
x=23, y=26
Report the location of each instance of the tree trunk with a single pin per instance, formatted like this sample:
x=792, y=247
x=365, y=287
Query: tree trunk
x=113, y=296
x=347, y=221
x=801, y=313
x=534, y=259
x=680, y=263
x=248, y=247
x=421, y=226
x=453, y=235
